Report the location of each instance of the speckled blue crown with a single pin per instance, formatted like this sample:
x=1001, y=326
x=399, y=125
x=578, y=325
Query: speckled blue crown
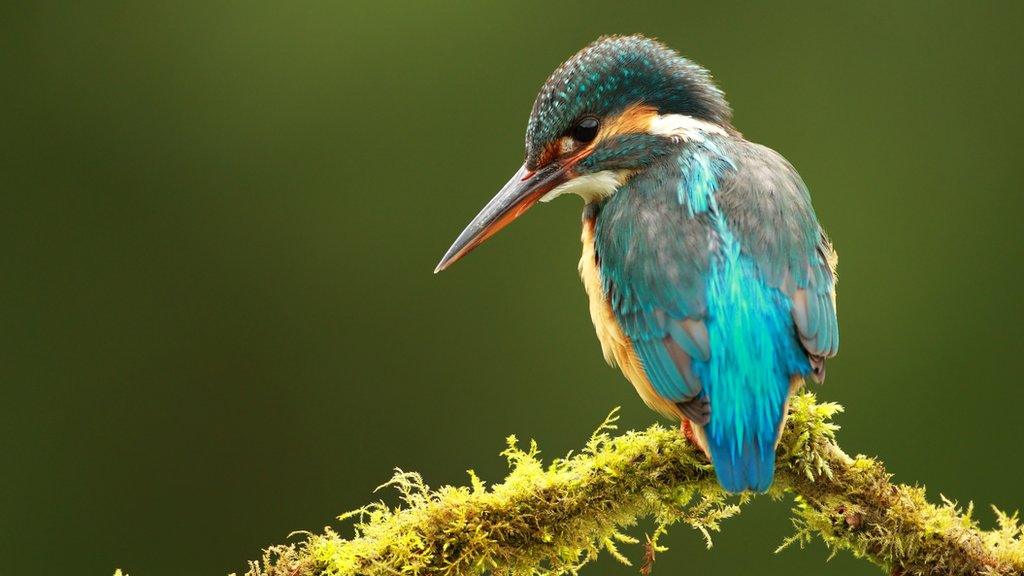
x=614, y=72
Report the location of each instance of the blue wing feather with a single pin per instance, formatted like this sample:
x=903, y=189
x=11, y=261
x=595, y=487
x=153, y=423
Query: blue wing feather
x=666, y=377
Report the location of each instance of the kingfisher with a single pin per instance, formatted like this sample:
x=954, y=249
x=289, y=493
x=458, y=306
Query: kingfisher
x=712, y=286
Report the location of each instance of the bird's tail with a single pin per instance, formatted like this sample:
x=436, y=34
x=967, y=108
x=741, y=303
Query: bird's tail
x=749, y=376
x=744, y=459
x=751, y=467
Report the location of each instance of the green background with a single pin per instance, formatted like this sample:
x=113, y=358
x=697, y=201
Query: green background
x=218, y=322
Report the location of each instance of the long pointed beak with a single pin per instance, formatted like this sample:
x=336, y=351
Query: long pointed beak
x=523, y=190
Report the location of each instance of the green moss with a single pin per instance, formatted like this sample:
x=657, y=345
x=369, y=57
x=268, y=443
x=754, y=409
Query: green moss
x=555, y=518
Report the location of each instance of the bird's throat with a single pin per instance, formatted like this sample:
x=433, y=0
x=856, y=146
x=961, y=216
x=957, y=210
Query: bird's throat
x=593, y=187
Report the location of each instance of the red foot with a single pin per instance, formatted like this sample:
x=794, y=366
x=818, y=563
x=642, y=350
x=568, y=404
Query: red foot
x=693, y=437
x=687, y=429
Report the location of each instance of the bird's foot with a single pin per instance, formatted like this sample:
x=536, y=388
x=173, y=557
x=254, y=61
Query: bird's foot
x=694, y=436
x=687, y=430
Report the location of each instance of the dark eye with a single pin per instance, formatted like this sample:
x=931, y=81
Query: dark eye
x=586, y=129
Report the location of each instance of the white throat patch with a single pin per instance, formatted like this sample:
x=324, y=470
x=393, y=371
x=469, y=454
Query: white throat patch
x=590, y=187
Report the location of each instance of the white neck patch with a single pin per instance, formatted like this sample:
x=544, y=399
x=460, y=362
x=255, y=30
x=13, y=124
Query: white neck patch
x=591, y=187
x=683, y=127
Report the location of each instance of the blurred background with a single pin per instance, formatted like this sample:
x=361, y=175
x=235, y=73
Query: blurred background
x=218, y=322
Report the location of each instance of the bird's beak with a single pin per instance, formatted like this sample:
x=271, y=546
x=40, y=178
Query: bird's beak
x=523, y=190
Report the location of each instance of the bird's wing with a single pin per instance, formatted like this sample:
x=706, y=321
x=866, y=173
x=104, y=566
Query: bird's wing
x=654, y=258
x=769, y=208
x=654, y=243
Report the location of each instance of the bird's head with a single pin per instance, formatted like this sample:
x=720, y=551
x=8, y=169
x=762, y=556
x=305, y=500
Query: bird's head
x=607, y=112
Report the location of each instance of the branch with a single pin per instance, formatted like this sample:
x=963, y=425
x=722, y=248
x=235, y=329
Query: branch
x=555, y=519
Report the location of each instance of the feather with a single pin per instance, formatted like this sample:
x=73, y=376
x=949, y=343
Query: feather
x=692, y=336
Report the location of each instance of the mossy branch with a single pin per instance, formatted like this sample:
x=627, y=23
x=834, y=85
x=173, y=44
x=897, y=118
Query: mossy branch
x=554, y=519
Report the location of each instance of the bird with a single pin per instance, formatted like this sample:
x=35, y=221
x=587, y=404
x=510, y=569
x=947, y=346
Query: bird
x=711, y=283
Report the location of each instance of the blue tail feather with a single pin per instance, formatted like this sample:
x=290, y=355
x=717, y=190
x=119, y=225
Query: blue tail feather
x=751, y=468
x=747, y=378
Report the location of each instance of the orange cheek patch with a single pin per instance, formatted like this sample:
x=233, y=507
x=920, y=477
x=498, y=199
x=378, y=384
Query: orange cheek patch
x=634, y=119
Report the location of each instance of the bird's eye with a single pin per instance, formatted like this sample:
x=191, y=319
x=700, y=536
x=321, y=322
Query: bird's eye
x=586, y=129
